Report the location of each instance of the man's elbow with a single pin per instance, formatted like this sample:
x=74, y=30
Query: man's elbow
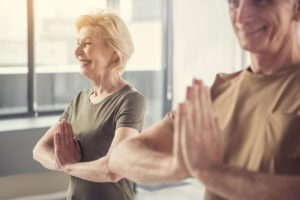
x=114, y=163
x=121, y=157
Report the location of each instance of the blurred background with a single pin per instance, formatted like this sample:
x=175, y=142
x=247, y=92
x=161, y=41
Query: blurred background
x=174, y=40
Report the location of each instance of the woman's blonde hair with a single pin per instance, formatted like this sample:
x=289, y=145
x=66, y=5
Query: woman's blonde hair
x=114, y=32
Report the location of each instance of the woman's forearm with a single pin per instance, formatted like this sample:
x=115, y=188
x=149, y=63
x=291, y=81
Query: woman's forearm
x=141, y=163
x=237, y=183
x=95, y=171
x=44, y=154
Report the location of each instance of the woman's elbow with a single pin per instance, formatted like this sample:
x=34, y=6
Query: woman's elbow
x=35, y=153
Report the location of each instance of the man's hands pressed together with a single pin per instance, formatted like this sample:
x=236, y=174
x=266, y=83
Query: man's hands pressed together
x=198, y=130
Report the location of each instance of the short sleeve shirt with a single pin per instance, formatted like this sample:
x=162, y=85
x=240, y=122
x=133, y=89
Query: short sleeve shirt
x=259, y=117
x=95, y=126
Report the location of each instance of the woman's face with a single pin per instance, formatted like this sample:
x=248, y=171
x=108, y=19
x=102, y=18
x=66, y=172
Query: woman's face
x=94, y=55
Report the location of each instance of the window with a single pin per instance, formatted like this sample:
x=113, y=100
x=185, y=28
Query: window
x=51, y=63
x=57, y=71
x=13, y=57
x=203, y=47
x=145, y=69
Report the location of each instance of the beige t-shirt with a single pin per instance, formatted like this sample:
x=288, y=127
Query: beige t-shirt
x=259, y=116
x=95, y=125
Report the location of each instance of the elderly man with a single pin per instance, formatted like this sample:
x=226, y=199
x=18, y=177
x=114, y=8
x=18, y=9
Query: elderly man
x=251, y=149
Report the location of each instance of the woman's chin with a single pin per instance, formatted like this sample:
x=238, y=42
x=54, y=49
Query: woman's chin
x=85, y=73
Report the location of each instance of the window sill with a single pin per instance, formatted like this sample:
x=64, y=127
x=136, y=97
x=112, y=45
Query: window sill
x=27, y=123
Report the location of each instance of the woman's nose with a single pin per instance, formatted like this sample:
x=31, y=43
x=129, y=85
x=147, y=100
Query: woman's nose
x=78, y=50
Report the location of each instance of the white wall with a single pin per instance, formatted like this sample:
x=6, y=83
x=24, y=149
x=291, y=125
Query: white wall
x=204, y=43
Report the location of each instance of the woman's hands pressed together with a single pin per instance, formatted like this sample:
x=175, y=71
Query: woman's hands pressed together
x=66, y=147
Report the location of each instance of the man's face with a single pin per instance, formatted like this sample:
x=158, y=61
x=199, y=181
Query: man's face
x=262, y=25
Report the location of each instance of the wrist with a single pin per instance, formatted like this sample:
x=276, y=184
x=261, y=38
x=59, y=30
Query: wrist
x=67, y=168
x=205, y=172
x=177, y=170
x=56, y=166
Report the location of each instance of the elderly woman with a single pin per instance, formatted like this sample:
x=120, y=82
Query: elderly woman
x=98, y=118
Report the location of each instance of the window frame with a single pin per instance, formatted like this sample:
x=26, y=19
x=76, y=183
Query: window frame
x=167, y=57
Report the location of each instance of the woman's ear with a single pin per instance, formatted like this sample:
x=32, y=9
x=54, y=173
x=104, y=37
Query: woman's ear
x=115, y=56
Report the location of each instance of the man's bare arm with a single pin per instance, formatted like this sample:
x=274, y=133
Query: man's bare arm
x=202, y=151
x=148, y=157
x=237, y=183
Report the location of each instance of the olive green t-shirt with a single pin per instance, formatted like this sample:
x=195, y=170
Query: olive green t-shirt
x=259, y=117
x=95, y=126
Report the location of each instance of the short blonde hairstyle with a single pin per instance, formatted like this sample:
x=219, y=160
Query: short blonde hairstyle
x=114, y=32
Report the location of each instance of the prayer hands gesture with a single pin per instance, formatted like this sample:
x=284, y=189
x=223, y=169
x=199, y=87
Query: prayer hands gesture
x=66, y=147
x=200, y=137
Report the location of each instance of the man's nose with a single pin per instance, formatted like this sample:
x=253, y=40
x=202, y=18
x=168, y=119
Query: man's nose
x=246, y=12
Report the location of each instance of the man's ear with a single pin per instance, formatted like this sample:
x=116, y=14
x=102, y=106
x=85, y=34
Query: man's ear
x=297, y=10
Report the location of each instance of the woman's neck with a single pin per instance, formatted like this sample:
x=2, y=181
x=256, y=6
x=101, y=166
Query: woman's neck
x=106, y=84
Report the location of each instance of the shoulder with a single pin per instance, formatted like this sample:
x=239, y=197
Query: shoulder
x=224, y=77
x=82, y=95
x=81, y=98
x=224, y=81
x=131, y=94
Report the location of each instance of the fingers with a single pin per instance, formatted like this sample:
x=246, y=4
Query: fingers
x=186, y=137
x=70, y=133
x=57, y=147
x=204, y=107
x=188, y=94
x=65, y=133
x=61, y=136
x=56, y=141
x=179, y=125
x=77, y=146
x=209, y=102
x=176, y=139
x=67, y=136
x=197, y=102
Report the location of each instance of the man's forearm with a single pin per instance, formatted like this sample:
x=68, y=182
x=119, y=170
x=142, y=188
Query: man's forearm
x=141, y=163
x=236, y=183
